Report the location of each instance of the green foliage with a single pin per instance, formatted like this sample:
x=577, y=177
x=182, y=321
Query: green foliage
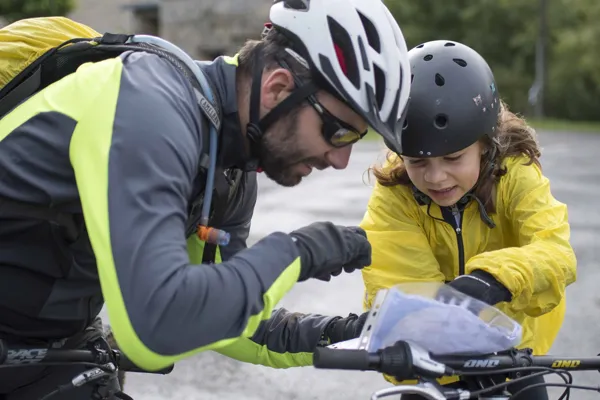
x=505, y=32
x=13, y=10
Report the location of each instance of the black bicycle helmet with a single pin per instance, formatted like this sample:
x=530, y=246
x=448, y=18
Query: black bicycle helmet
x=453, y=100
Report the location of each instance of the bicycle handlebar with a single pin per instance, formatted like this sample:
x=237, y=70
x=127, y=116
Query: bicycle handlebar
x=405, y=360
x=26, y=354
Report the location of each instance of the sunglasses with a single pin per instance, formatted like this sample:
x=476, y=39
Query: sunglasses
x=335, y=131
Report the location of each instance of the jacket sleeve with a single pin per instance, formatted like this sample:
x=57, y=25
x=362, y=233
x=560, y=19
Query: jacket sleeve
x=135, y=154
x=537, y=270
x=287, y=339
x=400, y=249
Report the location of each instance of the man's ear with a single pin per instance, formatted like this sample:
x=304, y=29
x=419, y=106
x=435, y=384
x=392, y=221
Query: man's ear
x=276, y=86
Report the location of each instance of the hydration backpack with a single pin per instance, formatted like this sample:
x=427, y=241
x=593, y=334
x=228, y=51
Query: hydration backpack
x=36, y=52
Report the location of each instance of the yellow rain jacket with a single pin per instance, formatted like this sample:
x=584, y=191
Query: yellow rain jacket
x=528, y=251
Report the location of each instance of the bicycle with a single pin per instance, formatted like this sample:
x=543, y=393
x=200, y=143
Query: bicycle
x=405, y=360
x=105, y=364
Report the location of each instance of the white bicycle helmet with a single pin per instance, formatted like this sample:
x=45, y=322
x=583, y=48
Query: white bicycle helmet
x=357, y=50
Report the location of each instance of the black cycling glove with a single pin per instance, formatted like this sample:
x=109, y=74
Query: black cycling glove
x=481, y=286
x=327, y=249
x=341, y=329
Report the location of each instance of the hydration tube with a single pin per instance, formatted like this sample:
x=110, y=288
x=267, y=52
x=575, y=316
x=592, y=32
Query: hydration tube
x=211, y=235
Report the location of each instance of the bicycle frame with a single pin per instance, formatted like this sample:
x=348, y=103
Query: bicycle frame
x=104, y=362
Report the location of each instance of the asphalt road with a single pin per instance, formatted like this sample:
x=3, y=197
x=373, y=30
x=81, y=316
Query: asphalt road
x=570, y=160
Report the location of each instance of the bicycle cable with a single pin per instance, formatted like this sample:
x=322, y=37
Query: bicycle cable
x=569, y=386
x=565, y=376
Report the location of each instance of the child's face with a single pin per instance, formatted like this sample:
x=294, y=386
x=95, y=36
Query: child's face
x=446, y=179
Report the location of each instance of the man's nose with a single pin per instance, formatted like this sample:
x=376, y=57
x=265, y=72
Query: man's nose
x=338, y=158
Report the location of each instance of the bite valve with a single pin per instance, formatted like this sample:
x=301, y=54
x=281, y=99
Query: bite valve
x=213, y=235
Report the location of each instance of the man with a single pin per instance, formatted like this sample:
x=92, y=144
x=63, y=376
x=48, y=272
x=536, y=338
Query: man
x=124, y=138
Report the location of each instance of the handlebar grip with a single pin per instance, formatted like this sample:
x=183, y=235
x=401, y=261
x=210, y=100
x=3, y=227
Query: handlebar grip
x=397, y=360
x=126, y=365
x=326, y=358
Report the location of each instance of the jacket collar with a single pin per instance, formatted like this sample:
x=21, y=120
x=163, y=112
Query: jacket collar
x=435, y=211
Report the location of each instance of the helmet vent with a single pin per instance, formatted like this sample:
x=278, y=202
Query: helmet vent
x=412, y=77
x=449, y=44
x=346, y=57
x=372, y=35
x=379, y=85
x=460, y=62
x=440, y=121
x=296, y=4
x=420, y=46
x=439, y=80
x=428, y=57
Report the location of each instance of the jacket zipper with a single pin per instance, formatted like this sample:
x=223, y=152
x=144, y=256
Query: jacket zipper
x=459, y=238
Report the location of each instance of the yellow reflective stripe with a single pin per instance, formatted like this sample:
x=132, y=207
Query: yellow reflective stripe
x=278, y=289
x=244, y=349
x=195, y=249
x=62, y=97
x=232, y=60
x=248, y=351
x=218, y=258
x=89, y=153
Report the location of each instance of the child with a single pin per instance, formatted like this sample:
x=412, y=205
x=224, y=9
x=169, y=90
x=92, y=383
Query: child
x=466, y=202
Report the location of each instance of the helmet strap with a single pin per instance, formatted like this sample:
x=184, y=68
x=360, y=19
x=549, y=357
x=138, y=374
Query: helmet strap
x=257, y=126
x=423, y=199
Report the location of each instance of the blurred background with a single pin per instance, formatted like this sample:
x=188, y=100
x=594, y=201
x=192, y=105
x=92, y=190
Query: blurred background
x=545, y=57
x=543, y=52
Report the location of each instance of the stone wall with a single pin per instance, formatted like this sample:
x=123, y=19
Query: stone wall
x=203, y=28
x=208, y=28
x=104, y=16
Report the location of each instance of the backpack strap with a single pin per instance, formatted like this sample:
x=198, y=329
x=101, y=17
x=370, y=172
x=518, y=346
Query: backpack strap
x=28, y=87
x=30, y=80
x=14, y=208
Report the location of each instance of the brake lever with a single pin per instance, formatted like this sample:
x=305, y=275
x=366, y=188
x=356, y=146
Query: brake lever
x=427, y=390
x=93, y=374
x=425, y=365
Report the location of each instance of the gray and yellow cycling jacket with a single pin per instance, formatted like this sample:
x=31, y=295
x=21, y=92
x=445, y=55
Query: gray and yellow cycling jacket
x=122, y=139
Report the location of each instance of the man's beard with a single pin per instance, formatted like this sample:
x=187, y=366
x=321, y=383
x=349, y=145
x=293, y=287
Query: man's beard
x=279, y=152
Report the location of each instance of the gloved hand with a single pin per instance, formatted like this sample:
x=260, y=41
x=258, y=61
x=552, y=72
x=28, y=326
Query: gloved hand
x=341, y=329
x=327, y=249
x=481, y=286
